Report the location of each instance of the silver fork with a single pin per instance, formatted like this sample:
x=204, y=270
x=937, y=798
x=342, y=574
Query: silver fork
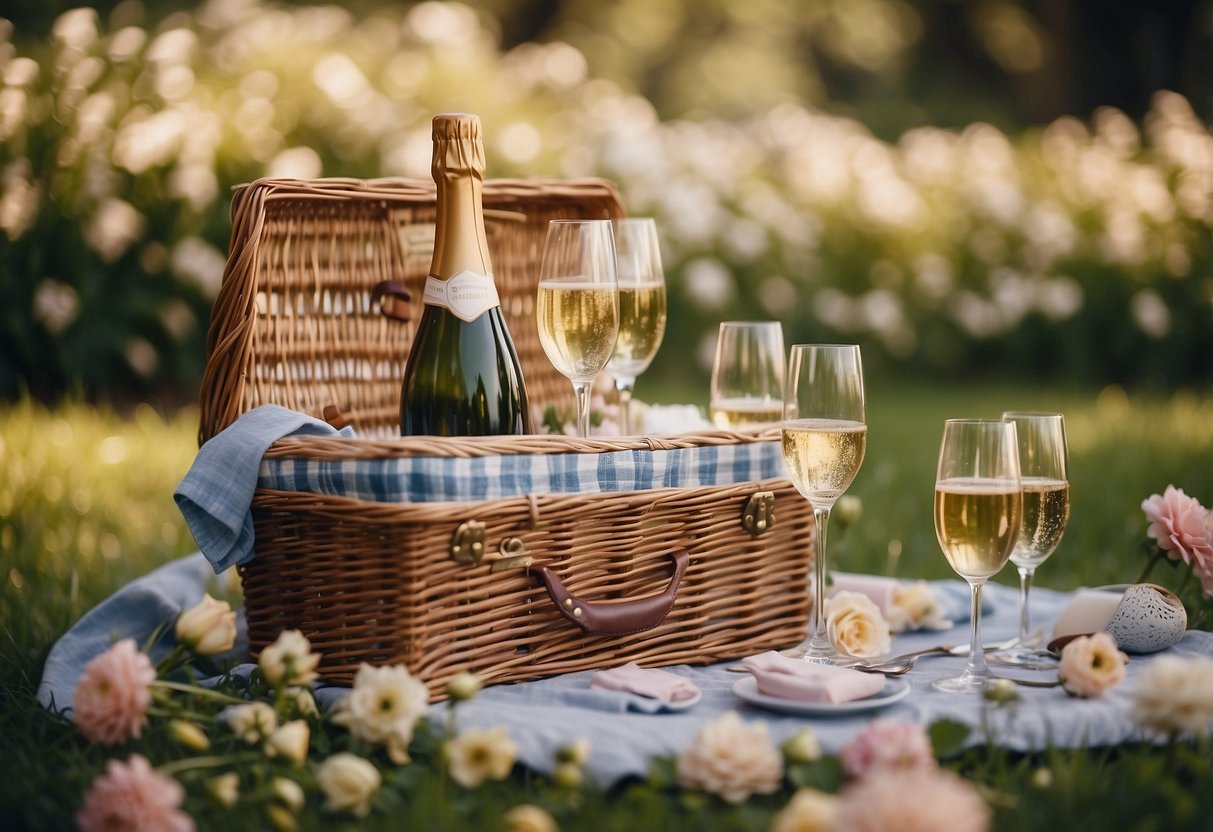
x=897, y=665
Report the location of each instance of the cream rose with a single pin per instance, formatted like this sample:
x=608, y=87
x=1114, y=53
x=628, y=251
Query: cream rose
x=529, y=818
x=289, y=742
x=289, y=792
x=289, y=660
x=856, y=626
x=208, y=627
x=252, y=722
x=915, y=607
x=1091, y=665
x=480, y=754
x=732, y=759
x=224, y=789
x=1175, y=695
x=809, y=810
x=349, y=783
x=383, y=707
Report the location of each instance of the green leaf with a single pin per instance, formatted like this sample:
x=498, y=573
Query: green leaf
x=948, y=737
x=825, y=774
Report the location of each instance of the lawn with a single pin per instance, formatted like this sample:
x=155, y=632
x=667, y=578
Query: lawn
x=85, y=506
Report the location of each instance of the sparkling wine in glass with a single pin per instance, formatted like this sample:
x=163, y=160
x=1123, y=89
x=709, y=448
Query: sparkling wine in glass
x=577, y=309
x=1043, y=464
x=825, y=435
x=978, y=511
x=642, y=306
x=747, y=375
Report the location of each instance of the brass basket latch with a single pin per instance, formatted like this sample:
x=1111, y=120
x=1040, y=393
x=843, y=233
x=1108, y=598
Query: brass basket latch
x=759, y=512
x=467, y=544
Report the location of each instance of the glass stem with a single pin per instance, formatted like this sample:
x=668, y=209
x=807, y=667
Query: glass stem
x=977, y=658
x=623, y=386
x=582, y=390
x=1026, y=573
x=819, y=644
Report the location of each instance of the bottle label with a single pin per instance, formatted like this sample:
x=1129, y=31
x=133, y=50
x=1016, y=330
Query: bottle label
x=468, y=295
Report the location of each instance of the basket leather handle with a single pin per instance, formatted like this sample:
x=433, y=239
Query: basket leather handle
x=393, y=299
x=619, y=617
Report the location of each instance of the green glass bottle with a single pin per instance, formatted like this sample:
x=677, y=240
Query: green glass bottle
x=462, y=377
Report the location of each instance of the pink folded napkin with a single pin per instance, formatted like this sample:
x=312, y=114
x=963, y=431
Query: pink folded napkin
x=653, y=683
x=882, y=591
x=802, y=681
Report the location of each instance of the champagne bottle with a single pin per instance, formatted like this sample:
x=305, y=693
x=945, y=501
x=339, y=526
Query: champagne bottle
x=462, y=377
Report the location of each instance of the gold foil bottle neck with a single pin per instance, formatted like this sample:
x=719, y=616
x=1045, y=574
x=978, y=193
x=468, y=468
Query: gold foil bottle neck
x=458, y=170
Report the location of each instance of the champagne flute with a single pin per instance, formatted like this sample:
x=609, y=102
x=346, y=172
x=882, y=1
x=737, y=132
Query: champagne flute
x=1046, y=510
x=642, y=306
x=747, y=375
x=825, y=434
x=577, y=309
x=978, y=509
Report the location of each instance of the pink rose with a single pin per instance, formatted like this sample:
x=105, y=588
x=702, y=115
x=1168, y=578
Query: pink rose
x=886, y=744
x=113, y=694
x=133, y=797
x=912, y=800
x=1178, y=524
x=1091, y=664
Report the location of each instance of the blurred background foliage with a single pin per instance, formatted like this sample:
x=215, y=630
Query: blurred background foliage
x=1021, y=189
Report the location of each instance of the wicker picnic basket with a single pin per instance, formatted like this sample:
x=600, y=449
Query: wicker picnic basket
x=518, y=587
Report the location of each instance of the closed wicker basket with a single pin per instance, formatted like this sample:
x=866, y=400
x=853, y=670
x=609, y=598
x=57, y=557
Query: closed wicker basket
x=708, y=561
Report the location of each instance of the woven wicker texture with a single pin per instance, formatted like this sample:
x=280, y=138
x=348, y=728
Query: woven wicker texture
x=294, y=323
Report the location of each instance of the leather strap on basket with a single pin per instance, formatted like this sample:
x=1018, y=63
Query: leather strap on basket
x=392, y=298
x=617, y=617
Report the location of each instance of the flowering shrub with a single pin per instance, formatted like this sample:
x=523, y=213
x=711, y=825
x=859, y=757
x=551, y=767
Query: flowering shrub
x=1076, y=249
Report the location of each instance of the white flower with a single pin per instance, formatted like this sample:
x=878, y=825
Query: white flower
x=224, y=789
x=383, y=707
x=803, y=747
x=348, y=782
x=289, y=792
x=528, y=817
x=576, y=752
x=252, y=722
x=189, y=735
x=463, y=686
x=1091, y=664
x=289, y=660
x=1175, y=695
x=809, y=810
x=915, y=607
x=305, y=703
x=289, y=741
x=479, y=755
x=208, y=627
x=856, y=626
x=731, y=759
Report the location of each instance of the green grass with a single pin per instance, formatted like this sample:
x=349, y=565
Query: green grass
x=85, y=506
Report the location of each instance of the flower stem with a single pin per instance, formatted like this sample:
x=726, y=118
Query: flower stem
x=198, y=691
x=1155, y=558
x=214, y=761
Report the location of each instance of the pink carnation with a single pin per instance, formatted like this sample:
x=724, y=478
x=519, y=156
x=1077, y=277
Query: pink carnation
x=1178, y=524
x=885, y=744
x=912, y=800
x=113, y=694
x=133, y=797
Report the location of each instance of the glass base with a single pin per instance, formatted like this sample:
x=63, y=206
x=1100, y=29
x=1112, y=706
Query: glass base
x=1023, y=657
x=816, y=654
x=964, y=683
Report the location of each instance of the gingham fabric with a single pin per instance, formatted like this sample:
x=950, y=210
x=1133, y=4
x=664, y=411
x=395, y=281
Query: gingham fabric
x=442, y=479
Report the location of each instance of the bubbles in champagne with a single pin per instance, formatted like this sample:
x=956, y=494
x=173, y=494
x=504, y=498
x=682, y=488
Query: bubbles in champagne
x=578, y=325
x=977, y=523
x=822, y=456
x=1046, y=510
x=642, y=314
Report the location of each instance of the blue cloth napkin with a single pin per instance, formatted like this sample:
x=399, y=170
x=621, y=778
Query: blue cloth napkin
x=217, y=491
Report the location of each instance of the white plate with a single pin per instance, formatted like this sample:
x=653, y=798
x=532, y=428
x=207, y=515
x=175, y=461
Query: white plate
x=682, y=704
x=894, y=689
